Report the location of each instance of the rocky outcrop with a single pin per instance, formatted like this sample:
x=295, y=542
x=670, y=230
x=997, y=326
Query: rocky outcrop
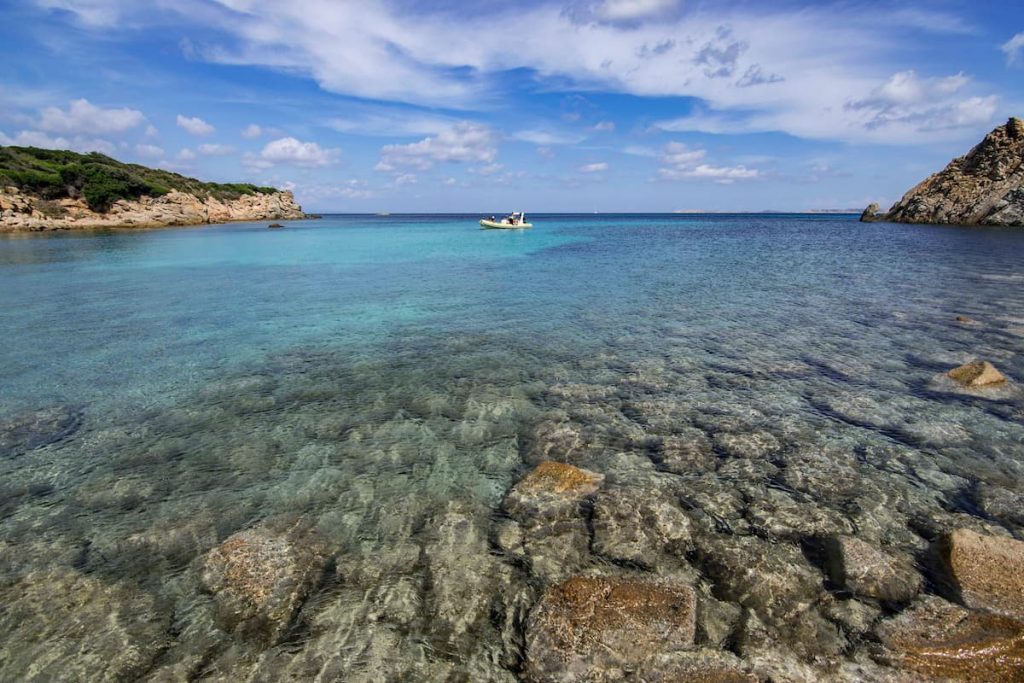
x=37, y=428
x=868, y=571
x=588, y=625
x=20, y=212
x=984, y=187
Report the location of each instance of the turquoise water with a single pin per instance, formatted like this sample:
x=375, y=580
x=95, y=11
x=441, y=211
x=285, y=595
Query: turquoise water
x=360, y=376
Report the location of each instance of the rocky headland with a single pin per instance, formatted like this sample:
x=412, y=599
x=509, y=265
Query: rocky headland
x=983, y=187
x=43, y=190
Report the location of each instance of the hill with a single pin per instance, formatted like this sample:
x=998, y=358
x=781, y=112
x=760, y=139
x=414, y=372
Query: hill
x=44, y=189
x=983, y=187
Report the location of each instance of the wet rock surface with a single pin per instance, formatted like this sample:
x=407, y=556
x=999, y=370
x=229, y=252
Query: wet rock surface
x=979, y=373
x=259, y=578
x=941, y=641
x=637, y=526
x=872, y=572
x=586, y=626
x=985, y=571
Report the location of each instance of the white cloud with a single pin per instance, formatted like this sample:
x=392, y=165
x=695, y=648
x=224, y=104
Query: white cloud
x=596, y=167
x=489, y=169
x=390, y=122
x=150, y=151
x=195, y=125
x=604, y=127
x=252, y=131
x=83, y=117
x=216, y=150
x=355, y=189
x=546, y=138
x=1012, y=48
x=77, y=143
x=294, y=152
x=546, y=152
x=186, y=154
x=632, y=10
x=640, y=151
x=463, y=142
x=151, y=131
x=679, y=162
x=766, y=68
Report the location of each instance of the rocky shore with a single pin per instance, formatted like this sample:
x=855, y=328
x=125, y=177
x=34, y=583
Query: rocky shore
x=983, y=187
x=21, y=212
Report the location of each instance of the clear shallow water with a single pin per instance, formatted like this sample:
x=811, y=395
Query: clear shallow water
x=371, y=379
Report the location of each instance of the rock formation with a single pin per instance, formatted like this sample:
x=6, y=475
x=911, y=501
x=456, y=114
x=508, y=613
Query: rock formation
x=984, y=187
x=21, y=212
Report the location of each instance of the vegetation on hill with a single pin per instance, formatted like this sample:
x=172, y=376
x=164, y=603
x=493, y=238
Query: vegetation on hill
x=101, y=180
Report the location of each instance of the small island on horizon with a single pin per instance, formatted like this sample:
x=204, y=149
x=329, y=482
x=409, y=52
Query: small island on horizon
x=43, y=189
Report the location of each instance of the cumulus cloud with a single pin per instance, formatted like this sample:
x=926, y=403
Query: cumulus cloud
x=596, y=167
x=1012, y=49
x=150, y=151
x=186, y=154
x=194, y=125
x=633, y=10
x=215, y=150
x=292, y=152
x=761, y=68
x=77, y=143
x=922, y=103
x=252, y=131
x=680, y=162
x=83, y=117
x=463, y=142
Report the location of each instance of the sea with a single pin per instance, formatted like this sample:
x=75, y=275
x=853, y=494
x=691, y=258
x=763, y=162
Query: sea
x=370, y=378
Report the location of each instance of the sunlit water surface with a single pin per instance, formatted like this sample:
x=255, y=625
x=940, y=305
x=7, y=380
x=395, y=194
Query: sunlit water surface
x=363, y=377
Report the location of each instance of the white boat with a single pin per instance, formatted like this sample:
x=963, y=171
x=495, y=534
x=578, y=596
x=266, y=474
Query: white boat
x=514, y=221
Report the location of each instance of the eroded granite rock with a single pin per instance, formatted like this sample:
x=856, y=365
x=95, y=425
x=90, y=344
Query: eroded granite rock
x=979, y=373
x=984, y=187
x=869, y=571
x=587, y=625
x=637, y=526
x=943, y=641
x=259, y=578
x=986, y=571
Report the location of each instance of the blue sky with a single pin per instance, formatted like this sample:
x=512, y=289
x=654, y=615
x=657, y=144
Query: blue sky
x=592, y=105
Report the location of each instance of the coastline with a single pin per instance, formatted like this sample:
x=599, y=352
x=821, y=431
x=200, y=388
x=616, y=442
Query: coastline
x=22, y=213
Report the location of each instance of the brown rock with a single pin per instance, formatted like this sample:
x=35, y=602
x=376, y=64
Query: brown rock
x=943, y=641
x=984, y=187
x=986, y=571
x=551, y=485
x=979, y=373
x=587, y=625
x=870, y=214
x=259, y=579
x=871, y=572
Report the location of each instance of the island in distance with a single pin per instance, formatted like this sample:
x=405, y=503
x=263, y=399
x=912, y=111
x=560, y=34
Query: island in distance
x=983, y=187
x=43, y=189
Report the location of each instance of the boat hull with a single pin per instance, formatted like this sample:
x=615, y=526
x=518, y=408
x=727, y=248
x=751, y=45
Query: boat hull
x=495, y=225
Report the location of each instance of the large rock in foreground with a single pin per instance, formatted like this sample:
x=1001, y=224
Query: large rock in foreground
x=984, y=187
x=986, y=571
x=589, y=624
x=942, y=641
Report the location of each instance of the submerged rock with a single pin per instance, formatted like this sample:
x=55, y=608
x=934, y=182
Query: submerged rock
x=985, y=570
x=61, y=625
x=979, y=373
x=943, y=641
x=259, y=579
x=549, y=488
x=866, y=570
x=37, y=428
x=984, y=187
x=588, y=625
x=551, y=530
x=634, y=525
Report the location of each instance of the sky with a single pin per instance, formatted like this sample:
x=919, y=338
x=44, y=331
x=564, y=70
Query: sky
x=486, y=106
